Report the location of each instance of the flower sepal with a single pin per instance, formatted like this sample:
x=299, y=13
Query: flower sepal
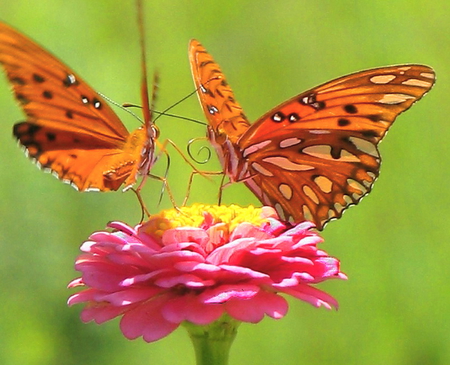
x=212, y=342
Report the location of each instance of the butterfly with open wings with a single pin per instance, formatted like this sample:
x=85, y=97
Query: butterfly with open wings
x=317, y=153
x=70, y=129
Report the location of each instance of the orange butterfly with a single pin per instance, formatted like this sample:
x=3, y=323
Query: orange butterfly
x=70, y=129
x=315, y=154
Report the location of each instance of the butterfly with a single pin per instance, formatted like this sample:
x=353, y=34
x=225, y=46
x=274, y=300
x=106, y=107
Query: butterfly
x=69, y=129
x=315, y=154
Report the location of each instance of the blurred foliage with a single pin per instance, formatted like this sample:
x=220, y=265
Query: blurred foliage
x=394, y=308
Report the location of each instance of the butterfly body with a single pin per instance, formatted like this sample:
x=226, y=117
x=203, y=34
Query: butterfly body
x=70, y=129
x=317, y=153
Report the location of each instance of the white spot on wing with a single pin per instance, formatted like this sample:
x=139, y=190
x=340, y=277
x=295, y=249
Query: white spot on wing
x=393, y=99
x=348, y=199
x=287, y=164
x=72, y=78
x=365, y=146
x=331, y=214
x=92, y=189
x=307, y=213
x=310, y=194
x=286, y=191
x=416, y=82
x=367, y=183
x=319, y=131
x=338, y=207
x=428, y=75
x=289, y=142
x=382, y=79
x=324, y=183
x=255, y=147
x=357, y=186
x=279, y=210
x=262, y=170
x=324, y=152
x=371, y=175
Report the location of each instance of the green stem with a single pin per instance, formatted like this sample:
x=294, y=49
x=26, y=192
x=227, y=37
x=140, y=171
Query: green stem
x=212, y=342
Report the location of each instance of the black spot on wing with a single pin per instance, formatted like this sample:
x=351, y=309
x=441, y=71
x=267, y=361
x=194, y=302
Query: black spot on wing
x=351, y=109
x=342, y=122
x=47, y=94
x=38, y=78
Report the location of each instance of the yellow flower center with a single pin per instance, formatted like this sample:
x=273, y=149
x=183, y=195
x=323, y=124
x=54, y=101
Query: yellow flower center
x=194, y=216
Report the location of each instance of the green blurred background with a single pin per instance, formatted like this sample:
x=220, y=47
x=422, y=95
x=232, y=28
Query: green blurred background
x=394, y=246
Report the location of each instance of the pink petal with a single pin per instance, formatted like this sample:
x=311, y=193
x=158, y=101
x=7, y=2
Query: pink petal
x=191, y=308
x=185, y=234
x=253, y=310
x=224, y=293
x=147, y=320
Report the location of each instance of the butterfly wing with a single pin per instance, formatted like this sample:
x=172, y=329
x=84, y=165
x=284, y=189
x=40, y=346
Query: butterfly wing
x=226, y=119
x=224, y=114
x=316, y=154
x=70, y=130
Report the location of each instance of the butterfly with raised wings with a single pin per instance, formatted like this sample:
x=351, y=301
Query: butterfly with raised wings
x=317, y=153
x=70, y=130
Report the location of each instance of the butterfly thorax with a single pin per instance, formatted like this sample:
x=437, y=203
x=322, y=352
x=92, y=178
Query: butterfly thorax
x=134, y=160
x=229, y=154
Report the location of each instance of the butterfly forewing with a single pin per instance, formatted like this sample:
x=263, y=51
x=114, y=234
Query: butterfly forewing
x=316, y=154
x=47, y=89
x=70, y=130
x=224, y=114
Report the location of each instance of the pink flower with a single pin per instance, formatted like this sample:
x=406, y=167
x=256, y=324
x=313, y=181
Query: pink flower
x=199, y=265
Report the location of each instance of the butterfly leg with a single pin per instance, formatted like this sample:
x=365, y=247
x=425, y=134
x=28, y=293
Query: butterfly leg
x=144, y=210
x=166, y=186
x=205, y=174
x=162, y=147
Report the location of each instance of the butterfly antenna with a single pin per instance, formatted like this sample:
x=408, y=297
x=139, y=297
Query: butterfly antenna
x=164, y=112
x=121, y=106
x=131, y=105
x=126, y=106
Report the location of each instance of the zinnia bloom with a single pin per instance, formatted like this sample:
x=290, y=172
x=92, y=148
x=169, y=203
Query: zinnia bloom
x=198, y=265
